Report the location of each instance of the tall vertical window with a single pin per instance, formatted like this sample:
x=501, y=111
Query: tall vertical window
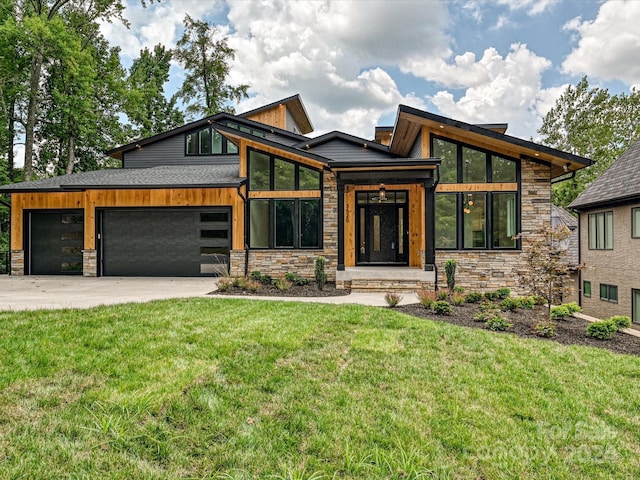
x=586, y=288
x=635, y=306
x=601, y=231
x=259, y=224
x=446, y=220
x=475, y=220
x=635, y=222
x=448, y=153
x=503, y=169
x=504, y=220
x=474, y=166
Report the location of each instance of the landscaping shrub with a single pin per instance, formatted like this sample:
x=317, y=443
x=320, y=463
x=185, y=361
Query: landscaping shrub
x=487, y=310
x=259, y=277
x=426, y=297
x=283, y=284
x=526, y=303
x=498, y=323
x=473, y=297
x=492, y=296
x=560, y=312
x=296, y=279
x=573, y=307
x=240, y=282
x=450, y=270
x=545, y=328
x=224, y=284
x=442, y=295
x=457, y=299
x=602, y=330
x=621, y=321
x=321, y=274
x=509, y=304
x=392, y=299
x=458, y=290
x=539, y=300
x=441, y=307
x=503, y=293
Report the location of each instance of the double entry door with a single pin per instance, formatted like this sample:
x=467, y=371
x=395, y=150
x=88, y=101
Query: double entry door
x=383, y=229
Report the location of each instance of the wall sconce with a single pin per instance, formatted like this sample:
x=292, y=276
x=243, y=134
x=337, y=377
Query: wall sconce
x=565, y=167
x=382, y=193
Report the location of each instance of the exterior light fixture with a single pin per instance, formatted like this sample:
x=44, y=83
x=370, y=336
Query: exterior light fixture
x=565, y=167
x=382, y=193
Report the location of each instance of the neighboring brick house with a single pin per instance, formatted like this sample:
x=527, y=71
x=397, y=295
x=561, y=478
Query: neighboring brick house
x=253, y=192
x=609, y=212
x=562, y=219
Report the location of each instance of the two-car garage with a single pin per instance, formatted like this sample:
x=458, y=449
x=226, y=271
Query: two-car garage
x=133, y=241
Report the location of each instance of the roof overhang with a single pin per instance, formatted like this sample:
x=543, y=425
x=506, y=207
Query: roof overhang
x=294, y=106
x=404, y=170
x=409, y=122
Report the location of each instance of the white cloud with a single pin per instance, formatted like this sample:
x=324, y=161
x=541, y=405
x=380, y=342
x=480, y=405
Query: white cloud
x=498, y=89
x=18, y=155
x=609, y=45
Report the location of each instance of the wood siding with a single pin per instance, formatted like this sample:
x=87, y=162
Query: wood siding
x=90, y=200
x=276, y=117
x=416, y=221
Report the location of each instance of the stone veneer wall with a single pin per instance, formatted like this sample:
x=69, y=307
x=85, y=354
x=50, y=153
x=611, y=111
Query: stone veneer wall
x=619, y=267
x=277, y=262
x=89, y=263
x=17, y=263
x=483, y=270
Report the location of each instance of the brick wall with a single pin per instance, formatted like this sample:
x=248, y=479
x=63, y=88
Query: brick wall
x=619, y=267
x=277, y=262
x=482, y=270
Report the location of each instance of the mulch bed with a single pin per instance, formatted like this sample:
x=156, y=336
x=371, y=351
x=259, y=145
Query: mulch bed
x=571, y=331
x=310, y=290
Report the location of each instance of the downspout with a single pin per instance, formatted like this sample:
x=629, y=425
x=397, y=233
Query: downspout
x=246, y=226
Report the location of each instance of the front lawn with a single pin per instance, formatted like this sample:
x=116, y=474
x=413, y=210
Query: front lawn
x=222, y=388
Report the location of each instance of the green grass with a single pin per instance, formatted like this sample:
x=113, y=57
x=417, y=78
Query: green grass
x=235, y=389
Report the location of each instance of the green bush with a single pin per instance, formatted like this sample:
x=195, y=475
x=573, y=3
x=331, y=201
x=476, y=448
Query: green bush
x=487, y=310
x=473, y=297
x=457, y=289
x=251, y=285
x=509, y=304
x=441, y=307
x=392, y=299
x=442, y=295
x=573, y=307
x=621, y=321
x=492, y=296
x=224, y=284
x=545, y=328
x=426, y=297
x=321, y=274
x=539, y=300
x=526, y=303
x=498, y=323
x=296, y=279
x=259, y=277
x=503, y=293
x=450, y=270
x=457, y=299
x=602, y=330
x=283, y=284
x=560, y=312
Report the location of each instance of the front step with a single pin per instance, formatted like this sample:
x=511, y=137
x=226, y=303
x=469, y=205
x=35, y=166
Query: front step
x=384, y=279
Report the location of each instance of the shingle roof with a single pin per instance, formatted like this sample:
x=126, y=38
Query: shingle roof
x=155, y=177
x=559, y=216
x=621, y=181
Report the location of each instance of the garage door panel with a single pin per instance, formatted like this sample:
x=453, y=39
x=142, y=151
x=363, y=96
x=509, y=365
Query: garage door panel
x=162, y=242
x=56, y=242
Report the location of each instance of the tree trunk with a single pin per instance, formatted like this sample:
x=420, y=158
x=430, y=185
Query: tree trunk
x=72, y=154
x=11, y=138
x=34, y=94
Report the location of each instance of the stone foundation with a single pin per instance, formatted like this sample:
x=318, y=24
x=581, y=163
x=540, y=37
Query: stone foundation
x=237, y=260
x=17, y=263
x=278, y=262
x=89, y=263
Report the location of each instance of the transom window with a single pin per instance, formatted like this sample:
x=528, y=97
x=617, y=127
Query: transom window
x=466, y=164
x=268, y=172
x=601, y=231
x=208, y=141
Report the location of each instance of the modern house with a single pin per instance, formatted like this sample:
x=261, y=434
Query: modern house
x=610, y=239
x=254, y=192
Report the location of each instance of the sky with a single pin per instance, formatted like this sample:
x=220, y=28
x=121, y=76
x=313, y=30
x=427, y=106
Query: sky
x=354, y=62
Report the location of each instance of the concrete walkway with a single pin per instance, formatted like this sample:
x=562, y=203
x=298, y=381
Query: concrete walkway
x=53, y=292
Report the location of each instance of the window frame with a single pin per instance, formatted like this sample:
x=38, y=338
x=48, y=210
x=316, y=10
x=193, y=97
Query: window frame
x=272, y=177
x=297, y=226
x=593, y=240
x=195, y=136
x=635, y=222
x=584, y=288
x=608, y=297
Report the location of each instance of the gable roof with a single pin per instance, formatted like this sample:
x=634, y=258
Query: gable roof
x=294, y=105
x=182, y=176
x=409, y=122
x=618, y=184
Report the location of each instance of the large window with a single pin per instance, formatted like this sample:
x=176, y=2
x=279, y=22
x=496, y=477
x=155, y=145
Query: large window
x=609, y=293
x=285, y=223
x=635, y=223
x=208, y=141
x=586, y=288
x=476, y=220
x=268, y=172
x=465, y=164
x=601, y=231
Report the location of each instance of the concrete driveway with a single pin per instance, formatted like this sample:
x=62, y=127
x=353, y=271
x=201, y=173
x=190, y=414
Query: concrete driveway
x=34, y=292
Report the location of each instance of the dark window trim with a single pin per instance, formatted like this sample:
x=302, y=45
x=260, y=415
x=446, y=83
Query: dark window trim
x=272, y=159
x=489, y=222
x=604, y=213
x=298, y=231
x=584, y=290
x=488, y=160
x=633, y=223
x=608, y=296
x=196, y=136
x=634, y=305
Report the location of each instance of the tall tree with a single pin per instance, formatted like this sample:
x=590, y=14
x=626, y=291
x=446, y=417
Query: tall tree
x=206, y=61
x=592, y=123
x=147, y=108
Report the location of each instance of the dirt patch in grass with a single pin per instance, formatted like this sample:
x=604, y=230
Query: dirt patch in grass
x=571, y=331
x=309, y=290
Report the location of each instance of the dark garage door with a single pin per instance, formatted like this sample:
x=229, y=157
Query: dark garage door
x=55, y=242
x=165, y=242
